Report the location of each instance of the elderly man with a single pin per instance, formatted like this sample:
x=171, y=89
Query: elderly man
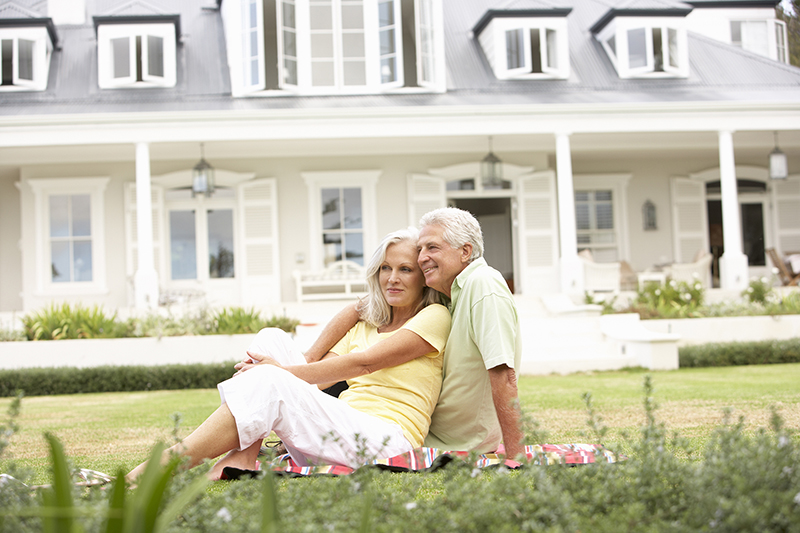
x=478, y=405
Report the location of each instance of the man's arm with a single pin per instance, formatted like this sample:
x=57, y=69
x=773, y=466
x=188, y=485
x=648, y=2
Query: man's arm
x=503, y=380
x=332, y=333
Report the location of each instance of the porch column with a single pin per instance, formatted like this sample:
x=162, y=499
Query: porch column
x=571, y=266
x=145, y=280
x=733, y=263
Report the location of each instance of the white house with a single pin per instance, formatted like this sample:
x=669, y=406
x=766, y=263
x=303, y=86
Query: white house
x=622, y=130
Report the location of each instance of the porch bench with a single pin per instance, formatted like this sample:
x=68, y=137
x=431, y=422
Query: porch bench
x=339, y=280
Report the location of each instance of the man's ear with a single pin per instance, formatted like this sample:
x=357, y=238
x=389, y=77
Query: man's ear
x=466, y=252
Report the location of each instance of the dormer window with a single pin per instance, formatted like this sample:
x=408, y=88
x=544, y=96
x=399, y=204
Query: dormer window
x=763, y=37
x=646, y=47
x=25, y=57
x=334, y=46
x=525, y=47
x=136, y=55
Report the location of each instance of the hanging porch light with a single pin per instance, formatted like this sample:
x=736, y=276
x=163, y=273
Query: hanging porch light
x=491, y=170
x=202, y=177
x=778, y=167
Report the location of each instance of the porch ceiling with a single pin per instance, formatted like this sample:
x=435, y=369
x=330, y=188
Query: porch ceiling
x=600, y=145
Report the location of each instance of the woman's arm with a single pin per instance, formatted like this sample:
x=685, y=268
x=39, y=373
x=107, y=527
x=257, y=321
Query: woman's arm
x=332, y=333
x=403, y=346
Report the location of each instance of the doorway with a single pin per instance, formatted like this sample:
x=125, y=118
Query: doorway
x=494, y=216
x=751, y=213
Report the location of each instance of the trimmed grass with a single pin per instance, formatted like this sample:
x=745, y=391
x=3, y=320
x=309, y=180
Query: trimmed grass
x=111, y=430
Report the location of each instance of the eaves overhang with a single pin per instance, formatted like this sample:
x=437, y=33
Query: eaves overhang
x=613, y=13
x=47, y=22
x=139, y=19
x=517, y=13
x=732, y=3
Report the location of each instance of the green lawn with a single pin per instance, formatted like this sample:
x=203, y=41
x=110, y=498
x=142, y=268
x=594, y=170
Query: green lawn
x=106, y=431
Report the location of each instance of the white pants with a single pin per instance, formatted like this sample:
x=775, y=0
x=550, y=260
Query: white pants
x=315, y=427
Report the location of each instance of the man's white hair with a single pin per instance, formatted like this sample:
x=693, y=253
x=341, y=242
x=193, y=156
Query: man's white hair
x=459, y=228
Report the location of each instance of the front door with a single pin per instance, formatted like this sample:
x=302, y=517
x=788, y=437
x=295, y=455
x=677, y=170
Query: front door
x=494, y=216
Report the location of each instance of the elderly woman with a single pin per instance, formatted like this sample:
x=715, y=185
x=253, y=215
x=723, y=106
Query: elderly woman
x=391, y=359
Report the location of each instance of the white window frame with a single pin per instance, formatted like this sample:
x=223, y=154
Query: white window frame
x=42, y=50
x=493, y=40
x=618, y=185
x=775, y=49
x=201, y=206
x=43, y=189
x=366, y=180
x=620, y=58
x=107, y=32
x=372, y=55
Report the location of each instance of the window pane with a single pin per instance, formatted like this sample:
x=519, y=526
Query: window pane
x=289, y=43
x=353, y=17
x=331, y=216
x=183, y=253
x=59, y=215
x=605, y=216
x=353, y=45
x=581, y=196
x=322, y=74
x=355, y=73
x=25, y=65
x=288, y=14
x=82, y=260
x=672, y=42
x=322, y=45
x=658, y=55
x=352, y=208
x=637, y=49
x=7, y=61
x=536, y=51
x=354, y=247
x=59, y=258
x=386, y=13
x=514, y=54
x=331, y=247
x=220, y=243
x=552, y=49
x=81, y=215
x=387, y=41
x=290, y=71
x=582, y=216
x=321, y=17
x=602, y=196
x=388, y=70
x=736, y=32
x=121, y=57
x=155, y=55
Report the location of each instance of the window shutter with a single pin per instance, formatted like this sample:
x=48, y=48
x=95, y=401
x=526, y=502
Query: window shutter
x=426, y=193
x=786, y=199
x=538, y=235
x=258, y=220
x=131, y=237
x=689, y=218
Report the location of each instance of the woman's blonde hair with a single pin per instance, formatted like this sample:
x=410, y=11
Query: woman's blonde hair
x=373, y=308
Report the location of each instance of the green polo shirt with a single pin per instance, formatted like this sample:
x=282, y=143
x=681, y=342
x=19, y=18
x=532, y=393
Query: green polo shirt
x=484, y=334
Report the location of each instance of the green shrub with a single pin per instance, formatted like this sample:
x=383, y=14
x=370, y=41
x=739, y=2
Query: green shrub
x=233, y=320
x=759, y=291
x=675, y=299
x=740, y=353
x=70, y=380
x=68, y=322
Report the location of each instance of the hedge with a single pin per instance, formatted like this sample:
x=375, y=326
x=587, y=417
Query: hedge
x=767, y=352
x=70, y=380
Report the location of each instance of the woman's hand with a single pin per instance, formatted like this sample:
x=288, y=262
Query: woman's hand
x=253, y=360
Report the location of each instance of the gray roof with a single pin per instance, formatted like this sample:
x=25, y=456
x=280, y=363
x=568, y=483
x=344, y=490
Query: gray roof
x=718, y=72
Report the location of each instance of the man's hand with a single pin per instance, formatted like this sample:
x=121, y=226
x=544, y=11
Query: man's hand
x=254, y=359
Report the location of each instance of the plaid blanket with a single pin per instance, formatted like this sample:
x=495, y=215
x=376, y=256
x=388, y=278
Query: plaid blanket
x=430, y=459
